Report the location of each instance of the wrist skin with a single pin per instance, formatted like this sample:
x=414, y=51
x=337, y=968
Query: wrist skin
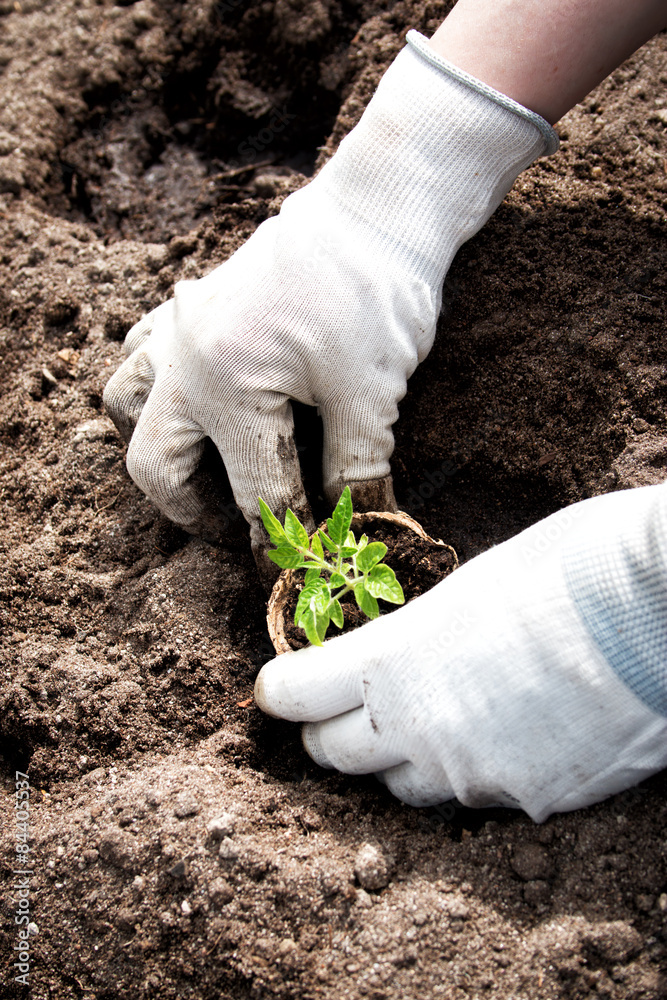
x=546, y=54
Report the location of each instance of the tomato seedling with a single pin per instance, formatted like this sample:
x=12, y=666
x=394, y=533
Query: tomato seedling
x=335, y=564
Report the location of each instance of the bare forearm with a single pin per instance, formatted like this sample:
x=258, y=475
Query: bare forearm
x=546, y=54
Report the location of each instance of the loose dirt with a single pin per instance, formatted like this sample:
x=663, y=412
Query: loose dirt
x=142, y=143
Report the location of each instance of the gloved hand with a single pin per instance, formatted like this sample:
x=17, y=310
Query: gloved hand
x=534, y=676
x=333, y=303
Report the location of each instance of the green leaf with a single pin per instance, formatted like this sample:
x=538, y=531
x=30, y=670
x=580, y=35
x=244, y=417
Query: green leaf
x=308, y=623
x=314, y=625
x=271, y=523
x=309, y=598
x=321, y=603
x=336, y=613
x=371, y=555
x=312, y=574
x=295, y=531
x=336, y=532
x=349, y=547
x=328, y=543
x=363, y=542
x=382, y=582
x=316, y=547
x=337, y=580
x=301, y=612
x=366, y=601
x=286, y=557
x=342, y=514
x=322, y=624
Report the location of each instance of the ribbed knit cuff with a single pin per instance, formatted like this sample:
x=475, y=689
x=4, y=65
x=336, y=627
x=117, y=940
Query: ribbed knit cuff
x=420, y=43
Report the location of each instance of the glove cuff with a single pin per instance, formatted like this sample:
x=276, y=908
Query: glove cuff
x=420, y=44
x=432, y=157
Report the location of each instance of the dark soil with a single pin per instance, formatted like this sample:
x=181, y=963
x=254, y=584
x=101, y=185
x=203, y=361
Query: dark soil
x=129, y=139
x=417, y=562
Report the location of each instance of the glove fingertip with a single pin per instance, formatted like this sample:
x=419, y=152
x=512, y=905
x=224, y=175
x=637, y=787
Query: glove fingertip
x=313, y=746
x=264, y=692
x=273, y=692
x=137, y=334
x=367, y=494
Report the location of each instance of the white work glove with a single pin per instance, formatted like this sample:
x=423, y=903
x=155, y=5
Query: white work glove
x=333, y=303
x=533, y=676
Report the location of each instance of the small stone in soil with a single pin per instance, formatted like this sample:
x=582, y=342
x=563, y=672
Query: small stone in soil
x=371, y=868
x=220, y=891
x=228, y=851
x=221, y=826
x=531, y=862
x=186, y=805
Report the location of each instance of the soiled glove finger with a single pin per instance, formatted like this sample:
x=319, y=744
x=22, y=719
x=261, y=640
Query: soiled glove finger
x=357, y=439
x=140, y=332
x=163, y=454
x=315, y=683
x=418, y=785
x=262, y=461
x=126, y=392
x=351, y=742
x=128, y=389
x=370, y=495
